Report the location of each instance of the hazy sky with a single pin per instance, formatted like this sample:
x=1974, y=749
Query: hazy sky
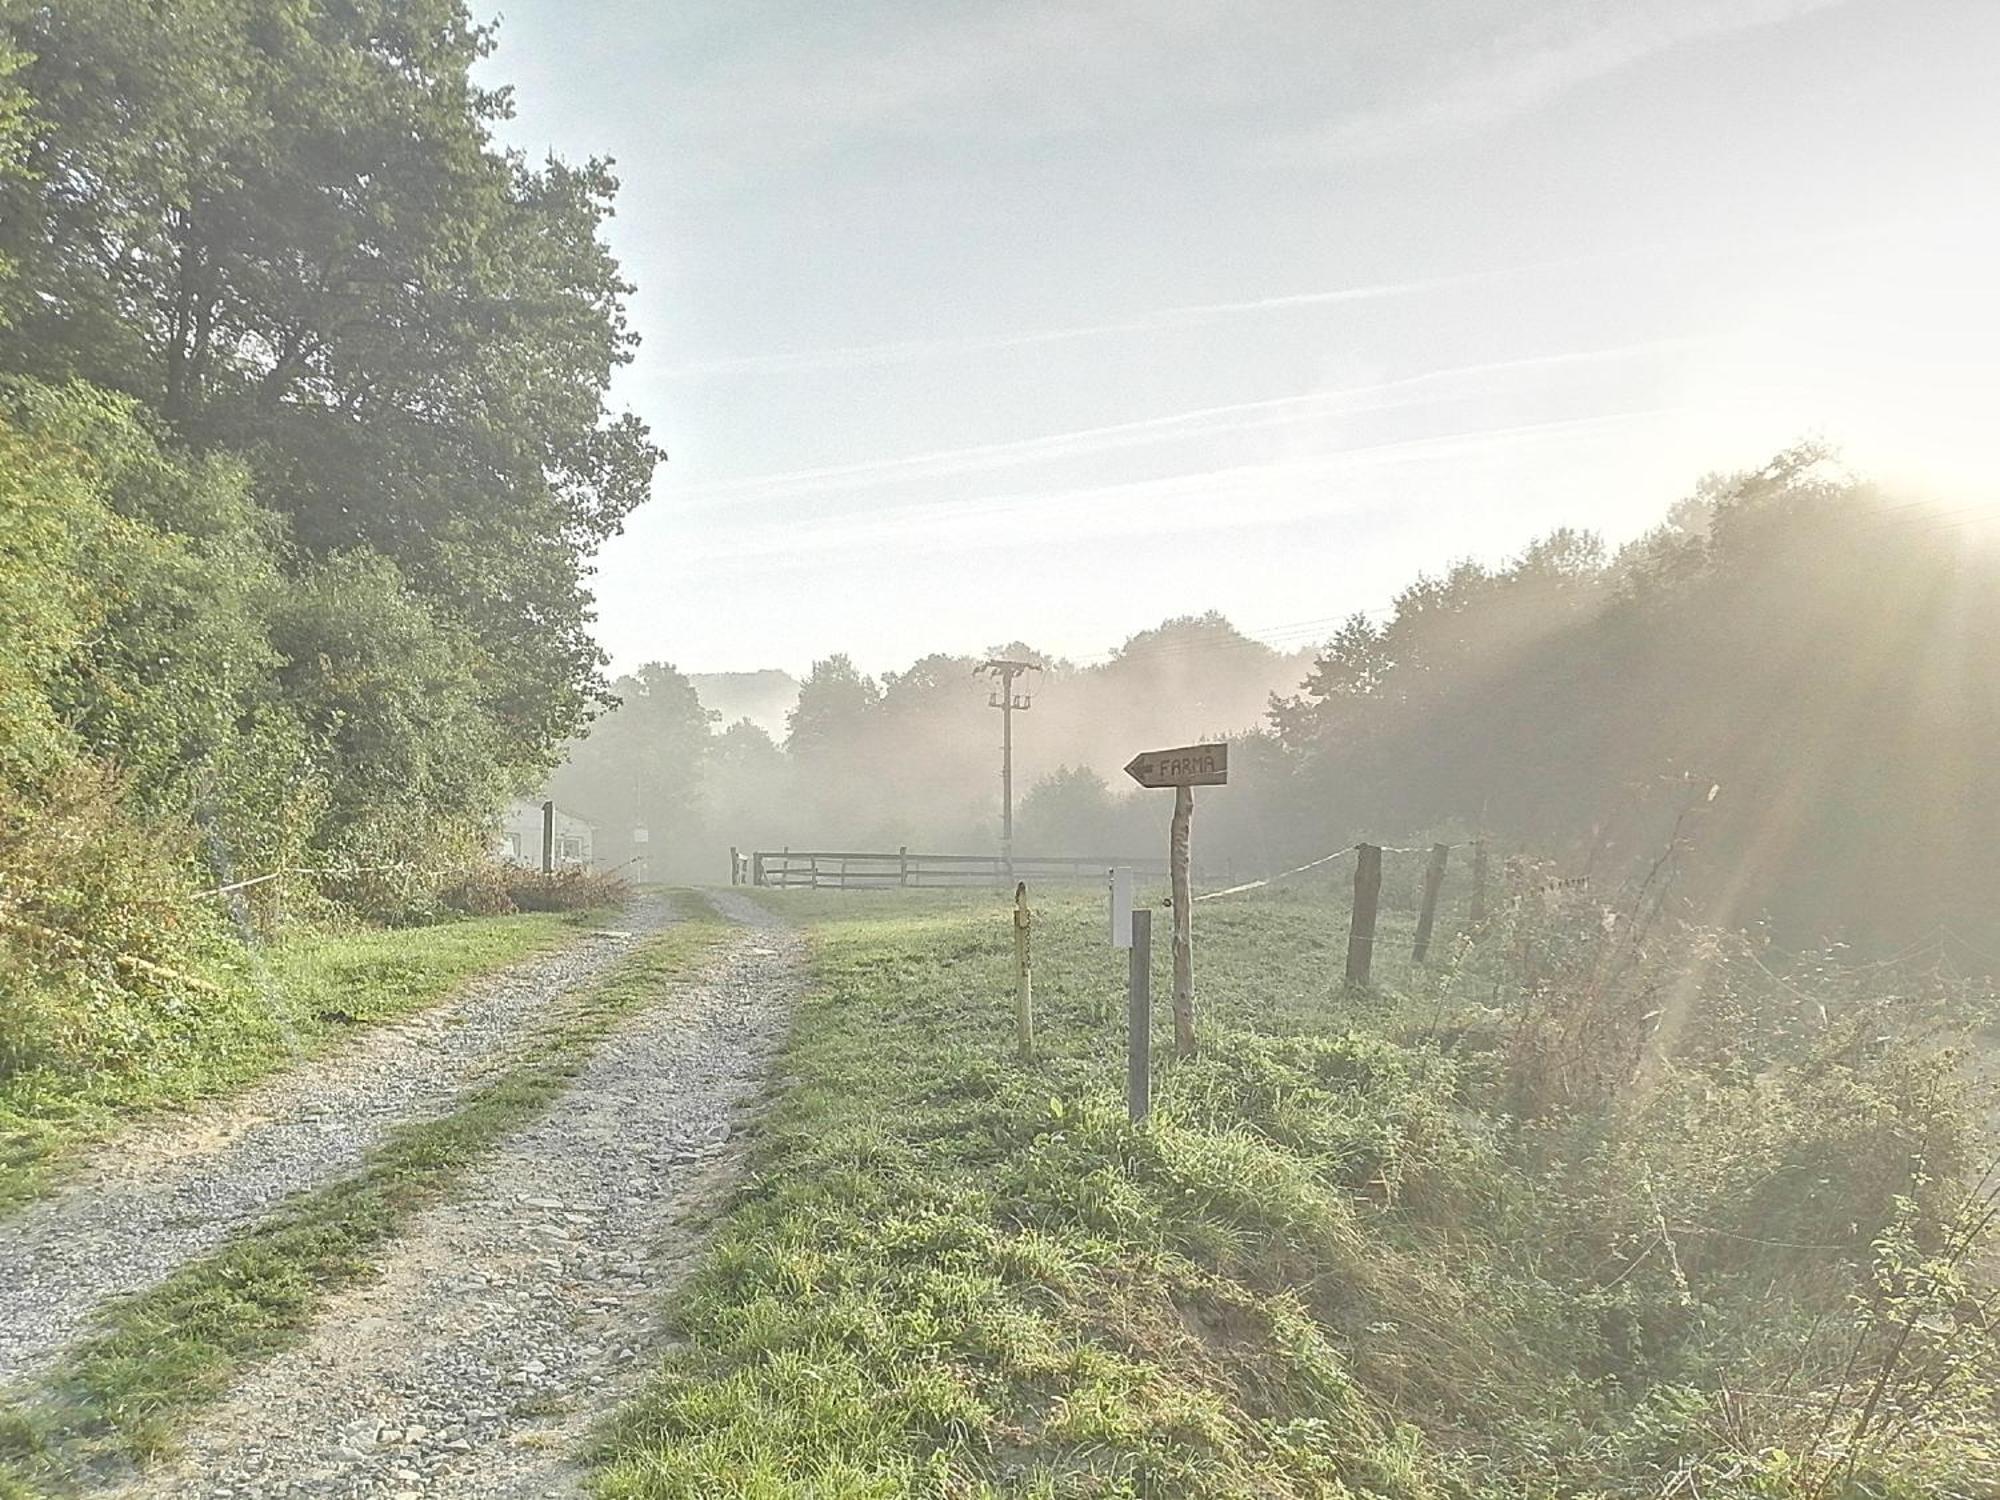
x=968, y=322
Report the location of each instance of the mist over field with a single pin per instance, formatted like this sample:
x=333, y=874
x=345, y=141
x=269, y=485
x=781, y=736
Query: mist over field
x=1814, y=651
x=1068, y=750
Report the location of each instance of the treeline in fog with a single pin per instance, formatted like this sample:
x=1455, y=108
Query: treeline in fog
x=1792, y=683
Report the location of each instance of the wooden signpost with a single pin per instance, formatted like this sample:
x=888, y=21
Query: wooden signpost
x=1183, y=768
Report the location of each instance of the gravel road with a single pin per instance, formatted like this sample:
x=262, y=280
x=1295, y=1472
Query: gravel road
x=150, y=1204
x=506, y=1322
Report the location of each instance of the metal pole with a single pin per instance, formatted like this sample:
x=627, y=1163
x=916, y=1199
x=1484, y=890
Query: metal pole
x=1139, y=1018
x=1007, y=773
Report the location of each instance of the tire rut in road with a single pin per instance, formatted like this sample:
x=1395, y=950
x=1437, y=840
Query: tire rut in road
x=151, y=1203
x=505, y=1323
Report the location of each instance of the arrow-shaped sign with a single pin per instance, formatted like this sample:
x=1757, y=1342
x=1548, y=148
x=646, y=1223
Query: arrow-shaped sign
x=1188, y=765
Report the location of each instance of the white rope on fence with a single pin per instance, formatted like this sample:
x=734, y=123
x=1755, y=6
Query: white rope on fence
x=1253, y=885
x=1324, y=859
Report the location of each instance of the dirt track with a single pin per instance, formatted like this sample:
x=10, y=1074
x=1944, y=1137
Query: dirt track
x=508, y=1320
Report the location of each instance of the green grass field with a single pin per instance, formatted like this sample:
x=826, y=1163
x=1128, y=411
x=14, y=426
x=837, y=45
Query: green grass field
x=1380, y=1244
x=294, y=1000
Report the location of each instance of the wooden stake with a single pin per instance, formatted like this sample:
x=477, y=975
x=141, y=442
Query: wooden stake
x=1183, y=883
x=1367, y=899
x=1427, y=917
x=1024, y=975
x=548, y=838
x=735, y=866
x=1139, y=1018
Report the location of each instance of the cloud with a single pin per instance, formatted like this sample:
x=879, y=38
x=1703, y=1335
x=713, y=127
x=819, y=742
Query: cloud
x=1323, y=79
x=1529, y=68
x=1161, y=320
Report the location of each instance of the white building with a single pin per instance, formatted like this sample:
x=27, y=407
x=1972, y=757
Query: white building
x=519, y=840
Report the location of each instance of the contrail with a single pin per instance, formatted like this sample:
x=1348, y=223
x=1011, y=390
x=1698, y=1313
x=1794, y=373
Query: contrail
x=1153, y=322
x=851, y=355
x=1081, y=440
x=1106, y=509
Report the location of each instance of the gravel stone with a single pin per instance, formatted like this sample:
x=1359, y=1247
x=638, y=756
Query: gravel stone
x=150, y=1204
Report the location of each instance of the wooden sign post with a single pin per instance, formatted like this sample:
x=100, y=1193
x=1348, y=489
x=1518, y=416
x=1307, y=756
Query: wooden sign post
x=1183, y=769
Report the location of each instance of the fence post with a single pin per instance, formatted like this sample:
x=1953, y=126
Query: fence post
x=757, y=867
x=1477, y=915
x=548, y=838
x=1367, y=898
x=735, y=866
x=1139, y=1017
x=1427, y=917
x=903, y=865
x=1024, y=975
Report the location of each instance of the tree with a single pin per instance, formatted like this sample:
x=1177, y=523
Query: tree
x=833, y=702
x=284, y=226
x=642, y=765
x=1071, y=811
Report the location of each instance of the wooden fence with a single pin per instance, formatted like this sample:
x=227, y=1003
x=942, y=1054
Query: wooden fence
x=846, y=869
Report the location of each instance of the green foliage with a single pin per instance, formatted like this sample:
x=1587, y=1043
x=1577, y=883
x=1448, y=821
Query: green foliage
x=47, y=608
x=288, y=232
x=303, y=444
x=1337, y=1263
x=106, y=959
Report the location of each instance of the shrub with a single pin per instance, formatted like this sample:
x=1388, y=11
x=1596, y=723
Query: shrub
x=490, y=888
x=107, y=957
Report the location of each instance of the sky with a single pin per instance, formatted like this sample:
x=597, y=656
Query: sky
x=971, y=322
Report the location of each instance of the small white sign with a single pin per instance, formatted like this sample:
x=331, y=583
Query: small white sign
x=1121, y=906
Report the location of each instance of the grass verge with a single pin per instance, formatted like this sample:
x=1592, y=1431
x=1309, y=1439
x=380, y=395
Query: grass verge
x=296, y=999
x=1344, y=1258
x=120, y=1396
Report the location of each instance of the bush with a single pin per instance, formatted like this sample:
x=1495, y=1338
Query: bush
x=565, y=890
x=107, y=956
x=494, y=889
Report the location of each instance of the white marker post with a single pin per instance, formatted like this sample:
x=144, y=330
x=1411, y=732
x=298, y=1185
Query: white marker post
x=1120, y=877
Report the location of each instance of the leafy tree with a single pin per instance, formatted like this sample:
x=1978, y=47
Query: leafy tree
x=642, y=765
x=1072, y=811
x=285, y=227
x=833, y=701
x=47, y=609
x=387, y=706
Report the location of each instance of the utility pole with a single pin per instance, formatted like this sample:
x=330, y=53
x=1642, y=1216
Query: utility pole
x=1003, y=697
